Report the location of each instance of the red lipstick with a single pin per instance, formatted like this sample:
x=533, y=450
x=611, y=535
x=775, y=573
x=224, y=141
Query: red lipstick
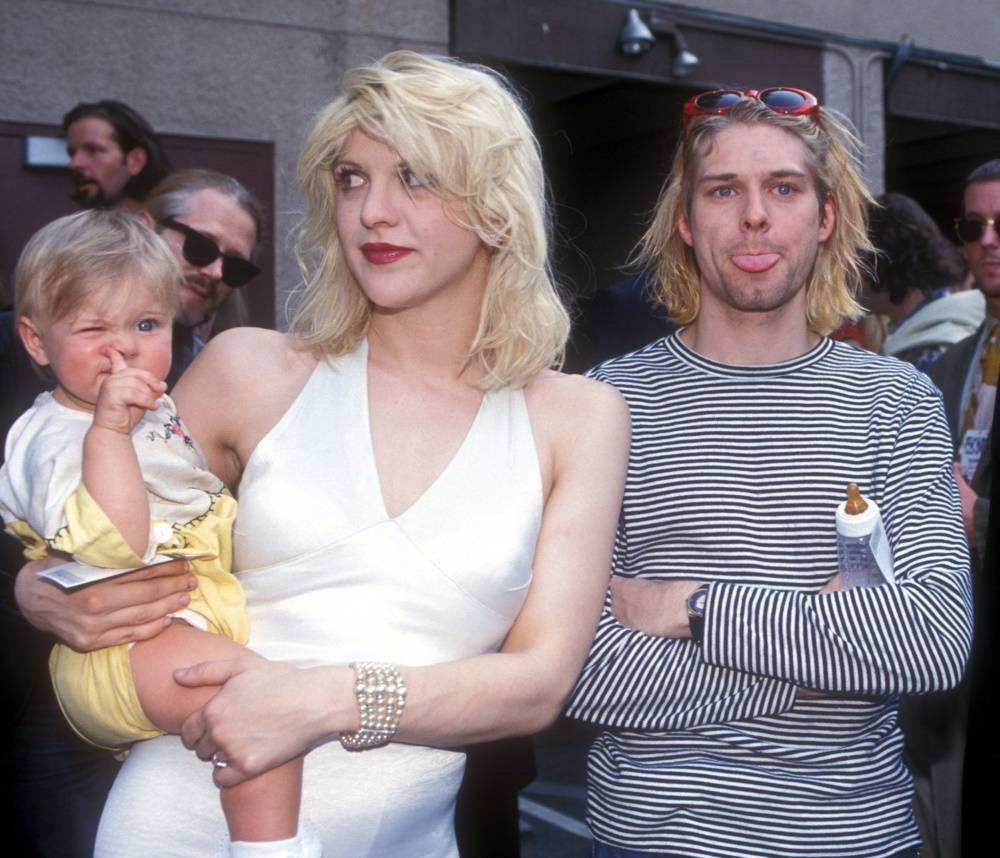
x=379, y=253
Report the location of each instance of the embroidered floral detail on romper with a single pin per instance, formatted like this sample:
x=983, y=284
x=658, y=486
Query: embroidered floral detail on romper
x=171, y=428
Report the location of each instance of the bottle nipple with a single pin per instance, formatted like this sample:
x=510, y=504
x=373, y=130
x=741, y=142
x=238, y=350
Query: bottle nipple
x=855, y=504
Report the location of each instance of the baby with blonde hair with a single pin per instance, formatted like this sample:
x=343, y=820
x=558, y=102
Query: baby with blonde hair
x=103, y=470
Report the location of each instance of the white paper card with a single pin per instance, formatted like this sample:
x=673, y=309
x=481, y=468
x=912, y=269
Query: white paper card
x=71, y=575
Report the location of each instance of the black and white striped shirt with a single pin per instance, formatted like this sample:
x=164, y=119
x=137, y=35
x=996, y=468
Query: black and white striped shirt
x=734, y=476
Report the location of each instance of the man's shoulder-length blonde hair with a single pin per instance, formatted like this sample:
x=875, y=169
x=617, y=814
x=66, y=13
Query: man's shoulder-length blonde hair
x=463, y=133
x=834, y=161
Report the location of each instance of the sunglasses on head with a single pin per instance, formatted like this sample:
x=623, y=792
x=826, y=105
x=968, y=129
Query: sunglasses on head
x=780, y=99
x=200, y=250
x=971, y=229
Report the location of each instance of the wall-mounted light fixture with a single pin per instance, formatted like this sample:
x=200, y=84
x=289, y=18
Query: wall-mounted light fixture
x=636, y=37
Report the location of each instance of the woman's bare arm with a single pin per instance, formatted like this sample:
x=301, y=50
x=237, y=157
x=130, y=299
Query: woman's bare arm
x=523, y=688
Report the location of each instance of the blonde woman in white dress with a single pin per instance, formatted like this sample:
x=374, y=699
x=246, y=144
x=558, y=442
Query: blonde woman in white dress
x=418, y=488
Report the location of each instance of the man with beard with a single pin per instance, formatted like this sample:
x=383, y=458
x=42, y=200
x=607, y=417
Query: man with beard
x=749, y=700
x=115, y=157
x=213, y=225
x=967, y=376
x=967, y=372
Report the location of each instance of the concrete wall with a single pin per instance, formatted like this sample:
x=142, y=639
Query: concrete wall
x=961, y=26
x=246, y=69
x=852, y=84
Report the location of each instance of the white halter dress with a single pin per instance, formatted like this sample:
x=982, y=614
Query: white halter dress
x=331, y=578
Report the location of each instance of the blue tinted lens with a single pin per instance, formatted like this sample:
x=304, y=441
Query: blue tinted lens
x=715, y=100
x=782, y=99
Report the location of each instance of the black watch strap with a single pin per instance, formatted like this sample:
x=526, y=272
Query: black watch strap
x=696, y=612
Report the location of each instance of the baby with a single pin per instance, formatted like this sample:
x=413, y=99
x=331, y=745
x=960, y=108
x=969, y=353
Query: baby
x=102, y=469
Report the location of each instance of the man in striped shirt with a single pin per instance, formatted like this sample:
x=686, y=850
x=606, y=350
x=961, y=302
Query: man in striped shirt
x=749, y=701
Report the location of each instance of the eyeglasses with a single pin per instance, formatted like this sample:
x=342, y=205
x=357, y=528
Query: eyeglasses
x=971, y=229
x=780, y=99
x=200, y=250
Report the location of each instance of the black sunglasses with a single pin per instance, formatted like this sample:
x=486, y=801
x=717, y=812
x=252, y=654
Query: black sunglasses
x=200, y=250
x=971, y=229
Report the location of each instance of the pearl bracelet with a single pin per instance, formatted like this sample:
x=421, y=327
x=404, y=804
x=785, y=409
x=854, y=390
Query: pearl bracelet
x=381, y=695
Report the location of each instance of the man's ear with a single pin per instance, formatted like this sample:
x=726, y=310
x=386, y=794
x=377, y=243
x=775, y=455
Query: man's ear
x=32, y=340
x=828, y=213
x=136, y=160
x=684, y=229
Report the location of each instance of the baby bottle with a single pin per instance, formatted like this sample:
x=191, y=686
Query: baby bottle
x=863, y=551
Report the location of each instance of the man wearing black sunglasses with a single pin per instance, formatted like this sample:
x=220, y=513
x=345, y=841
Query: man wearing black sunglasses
x=967, y=372
x=212, y=223
x=967, y=376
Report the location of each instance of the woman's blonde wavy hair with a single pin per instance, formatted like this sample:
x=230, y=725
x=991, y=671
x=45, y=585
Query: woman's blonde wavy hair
x=834, y=160
x=464, y=134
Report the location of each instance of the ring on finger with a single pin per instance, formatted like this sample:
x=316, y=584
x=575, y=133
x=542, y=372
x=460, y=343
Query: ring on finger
x=219, y=761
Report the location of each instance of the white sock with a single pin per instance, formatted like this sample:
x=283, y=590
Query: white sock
x=304, y=845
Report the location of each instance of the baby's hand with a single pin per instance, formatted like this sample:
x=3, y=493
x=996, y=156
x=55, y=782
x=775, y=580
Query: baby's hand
x=124, y=395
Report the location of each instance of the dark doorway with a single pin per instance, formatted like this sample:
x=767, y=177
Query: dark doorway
x=929, y=161
x=607, y=145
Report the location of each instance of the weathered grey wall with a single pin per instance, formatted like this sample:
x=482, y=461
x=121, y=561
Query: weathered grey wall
x=852, y=84
x=961, y=26
x=247, y=69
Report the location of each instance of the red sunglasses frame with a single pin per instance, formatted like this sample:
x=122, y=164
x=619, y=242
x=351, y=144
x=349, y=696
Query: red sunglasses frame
x=809, y=106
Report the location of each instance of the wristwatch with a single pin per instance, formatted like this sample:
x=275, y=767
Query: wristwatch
x=696, y=612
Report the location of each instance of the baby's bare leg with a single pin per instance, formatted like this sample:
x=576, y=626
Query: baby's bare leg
x=263, y=808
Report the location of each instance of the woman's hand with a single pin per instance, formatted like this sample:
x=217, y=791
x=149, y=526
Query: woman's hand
x=266, y=713
x=131, y=607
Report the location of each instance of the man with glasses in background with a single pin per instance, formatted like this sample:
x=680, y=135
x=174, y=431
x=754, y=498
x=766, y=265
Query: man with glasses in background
x=213, y=225
x=967, y=375
x=749, y=699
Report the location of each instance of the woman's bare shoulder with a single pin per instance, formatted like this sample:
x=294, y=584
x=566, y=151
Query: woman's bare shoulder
x=581, y=426
x=251, y=351
x=572, y=399
x=575, y=419
x=243, y=359
x=236, y=390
